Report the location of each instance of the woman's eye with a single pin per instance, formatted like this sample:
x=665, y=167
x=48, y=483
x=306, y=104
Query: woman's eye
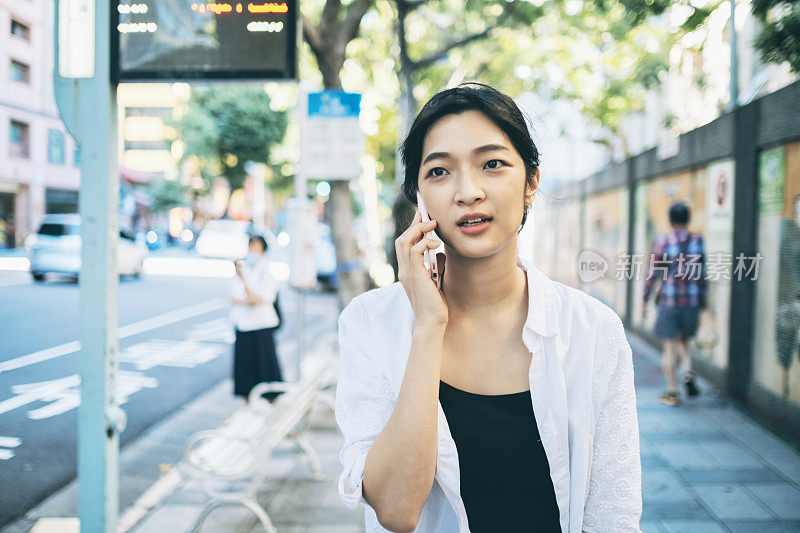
x=495, y=161
x=432, y=172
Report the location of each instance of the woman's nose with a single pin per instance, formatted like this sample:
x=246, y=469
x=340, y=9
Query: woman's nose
x=468, y=189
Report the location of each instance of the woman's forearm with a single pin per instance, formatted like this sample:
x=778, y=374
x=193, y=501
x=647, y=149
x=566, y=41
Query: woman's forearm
x=399, y=469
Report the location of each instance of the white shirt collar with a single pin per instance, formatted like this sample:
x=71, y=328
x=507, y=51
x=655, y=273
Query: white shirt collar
x=541, y=301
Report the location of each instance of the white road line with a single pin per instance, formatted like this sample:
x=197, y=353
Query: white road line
x=10, y=442
x=125, y=331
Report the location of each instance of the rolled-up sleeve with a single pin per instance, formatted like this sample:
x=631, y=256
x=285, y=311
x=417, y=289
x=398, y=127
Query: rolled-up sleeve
x=614, y=501
x=364, y=400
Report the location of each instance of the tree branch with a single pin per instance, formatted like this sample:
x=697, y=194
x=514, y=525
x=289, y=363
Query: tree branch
x=427, y=61
x=352, y=20
x=330, y=14
x=311, y=35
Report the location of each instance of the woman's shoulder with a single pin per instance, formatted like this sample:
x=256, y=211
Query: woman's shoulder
x=589, y=313
x=574, y=300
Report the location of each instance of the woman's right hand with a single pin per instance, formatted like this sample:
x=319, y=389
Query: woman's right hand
x=427, y=301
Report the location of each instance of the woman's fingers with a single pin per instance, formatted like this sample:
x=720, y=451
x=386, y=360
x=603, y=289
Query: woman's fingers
x=424, y=244
x=413, y=234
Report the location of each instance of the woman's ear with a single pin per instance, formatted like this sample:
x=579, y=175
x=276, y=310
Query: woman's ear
x=531, y=186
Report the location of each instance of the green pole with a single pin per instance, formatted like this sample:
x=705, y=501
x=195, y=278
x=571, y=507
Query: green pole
x=88, y=107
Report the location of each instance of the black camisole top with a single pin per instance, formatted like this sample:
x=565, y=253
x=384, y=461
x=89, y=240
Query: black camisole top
x=505, y=475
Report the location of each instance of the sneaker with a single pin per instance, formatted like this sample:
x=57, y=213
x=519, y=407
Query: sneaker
x=688, y=382
x=670, y=398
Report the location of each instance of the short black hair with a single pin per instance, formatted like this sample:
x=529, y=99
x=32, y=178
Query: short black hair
x=259, y=239
x=469, y=96
x=679, y=214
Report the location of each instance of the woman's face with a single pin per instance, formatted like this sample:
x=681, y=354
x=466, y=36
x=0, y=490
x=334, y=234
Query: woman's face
x=473, y=182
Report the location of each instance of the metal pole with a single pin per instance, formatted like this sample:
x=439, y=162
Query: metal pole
x=87, y=104
x=734, y=71
x=301, y=329
x=98, y=440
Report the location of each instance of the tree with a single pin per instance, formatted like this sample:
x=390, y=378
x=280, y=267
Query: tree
x=166, y=194
x=779, y=39
x=328, y=41
x=228, y=125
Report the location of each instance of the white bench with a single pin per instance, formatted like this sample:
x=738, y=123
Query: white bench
x=232, y=463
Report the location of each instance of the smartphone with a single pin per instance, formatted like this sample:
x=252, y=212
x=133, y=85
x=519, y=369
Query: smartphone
x=430, y=255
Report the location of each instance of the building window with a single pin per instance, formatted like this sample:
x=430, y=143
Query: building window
x=20, y=30
x=20, y=72
x=19, y=139
x=76, y=155
x=55, y=147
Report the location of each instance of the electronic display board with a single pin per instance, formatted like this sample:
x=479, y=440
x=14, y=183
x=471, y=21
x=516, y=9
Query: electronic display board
x=185, y=40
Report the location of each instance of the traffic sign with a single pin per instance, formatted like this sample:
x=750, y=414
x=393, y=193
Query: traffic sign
x=332, y=140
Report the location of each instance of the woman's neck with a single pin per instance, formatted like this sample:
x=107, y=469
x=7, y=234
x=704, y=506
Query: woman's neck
x=480, y=285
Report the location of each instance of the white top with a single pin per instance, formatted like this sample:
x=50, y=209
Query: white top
x=261, y=282
x=581, y=381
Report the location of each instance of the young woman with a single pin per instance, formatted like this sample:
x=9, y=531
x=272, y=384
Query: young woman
x=255, y=319
x=503, y=402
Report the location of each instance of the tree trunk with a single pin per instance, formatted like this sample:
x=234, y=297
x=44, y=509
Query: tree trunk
x=328, y=42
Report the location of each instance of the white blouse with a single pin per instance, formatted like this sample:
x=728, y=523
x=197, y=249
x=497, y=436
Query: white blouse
x=581, y=381
x=260, y=280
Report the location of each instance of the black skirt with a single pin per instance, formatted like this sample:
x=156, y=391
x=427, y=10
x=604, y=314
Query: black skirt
x=254, y=361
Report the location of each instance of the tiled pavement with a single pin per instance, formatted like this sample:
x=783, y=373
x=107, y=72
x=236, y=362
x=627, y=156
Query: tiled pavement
x=295, y=502
x=706, y=466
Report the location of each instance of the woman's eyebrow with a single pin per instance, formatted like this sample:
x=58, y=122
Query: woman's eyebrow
x=479, y=150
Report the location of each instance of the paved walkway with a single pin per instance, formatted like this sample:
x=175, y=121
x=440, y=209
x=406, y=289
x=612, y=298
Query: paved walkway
x=706, y=468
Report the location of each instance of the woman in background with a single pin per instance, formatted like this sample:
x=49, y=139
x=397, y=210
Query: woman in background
x=255, y=319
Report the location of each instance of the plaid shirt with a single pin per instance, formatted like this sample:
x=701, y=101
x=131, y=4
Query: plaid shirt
x=678, y=259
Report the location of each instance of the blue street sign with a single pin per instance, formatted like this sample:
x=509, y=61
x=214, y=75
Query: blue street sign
x=334, y=104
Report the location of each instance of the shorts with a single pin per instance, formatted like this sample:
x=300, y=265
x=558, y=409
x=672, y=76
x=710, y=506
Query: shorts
x=673, y=322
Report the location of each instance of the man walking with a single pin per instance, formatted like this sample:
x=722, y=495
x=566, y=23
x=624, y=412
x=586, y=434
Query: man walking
x=678, y=259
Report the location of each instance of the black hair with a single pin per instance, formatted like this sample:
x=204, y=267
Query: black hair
x=259, y=239
x=469, y=96
x=679, y=214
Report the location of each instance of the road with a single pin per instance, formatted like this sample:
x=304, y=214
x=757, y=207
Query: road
x=174, y=345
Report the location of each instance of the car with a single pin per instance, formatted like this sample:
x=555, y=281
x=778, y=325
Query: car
x=56, y=249
x=224, y=239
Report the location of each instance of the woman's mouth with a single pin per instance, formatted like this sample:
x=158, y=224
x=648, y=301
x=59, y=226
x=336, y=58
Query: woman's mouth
x=473, y=225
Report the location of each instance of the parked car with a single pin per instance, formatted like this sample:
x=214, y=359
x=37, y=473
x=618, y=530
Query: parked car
x=56, y=249
x=223, y=238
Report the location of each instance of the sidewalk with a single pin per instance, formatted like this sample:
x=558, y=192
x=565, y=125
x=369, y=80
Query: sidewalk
x=706, y=468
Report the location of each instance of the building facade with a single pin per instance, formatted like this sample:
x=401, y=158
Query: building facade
x=38, y=159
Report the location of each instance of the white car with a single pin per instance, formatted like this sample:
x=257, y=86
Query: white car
x=225, y=239
x=56, y=248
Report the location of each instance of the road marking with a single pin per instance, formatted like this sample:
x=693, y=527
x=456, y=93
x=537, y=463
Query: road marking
x=14, y=263
x=171, y=353
x=123, y=332
x=5, y=444
x=64, y=394
x=218, y=330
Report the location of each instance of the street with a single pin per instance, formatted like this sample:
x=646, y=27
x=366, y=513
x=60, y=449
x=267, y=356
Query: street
x=174, y=344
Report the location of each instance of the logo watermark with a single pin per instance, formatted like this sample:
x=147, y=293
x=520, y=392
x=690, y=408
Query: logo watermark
x=718, y=266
